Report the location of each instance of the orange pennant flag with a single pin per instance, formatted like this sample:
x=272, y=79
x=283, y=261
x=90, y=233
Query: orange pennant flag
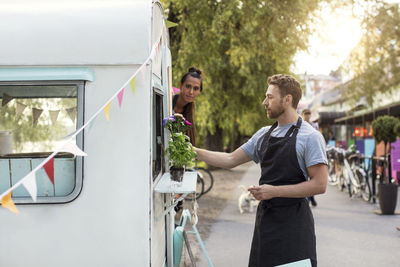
x=7, y=203
x=133, y=84
x=107, y=111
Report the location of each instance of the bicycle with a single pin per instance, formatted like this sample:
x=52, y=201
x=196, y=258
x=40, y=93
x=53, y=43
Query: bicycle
x=205, y=182
x=360, y=184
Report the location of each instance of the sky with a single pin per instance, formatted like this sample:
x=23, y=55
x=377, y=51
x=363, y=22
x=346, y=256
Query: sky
x=336, y=34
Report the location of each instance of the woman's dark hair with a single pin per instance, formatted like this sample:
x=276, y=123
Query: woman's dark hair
x=188, y=111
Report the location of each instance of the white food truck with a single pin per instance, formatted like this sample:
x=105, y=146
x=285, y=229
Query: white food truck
x=60, y=62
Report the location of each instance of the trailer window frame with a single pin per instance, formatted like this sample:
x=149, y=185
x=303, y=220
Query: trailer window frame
x=158, y=133
x=78, y=161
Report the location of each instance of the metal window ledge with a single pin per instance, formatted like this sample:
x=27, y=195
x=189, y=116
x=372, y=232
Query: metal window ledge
x=167, y=186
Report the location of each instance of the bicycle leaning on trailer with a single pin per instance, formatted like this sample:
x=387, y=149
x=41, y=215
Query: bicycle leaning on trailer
x=205, y=182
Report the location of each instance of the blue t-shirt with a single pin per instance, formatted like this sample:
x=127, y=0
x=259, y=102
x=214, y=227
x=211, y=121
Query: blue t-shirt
x=310, y=145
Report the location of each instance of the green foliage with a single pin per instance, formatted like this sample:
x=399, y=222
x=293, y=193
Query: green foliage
x=374, y=62
x=384, y=129
x=25, y=134
x=238, y=45
x=180, y=150
x=397, y=129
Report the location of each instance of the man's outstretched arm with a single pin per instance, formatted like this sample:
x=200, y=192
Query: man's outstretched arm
x=222, y=159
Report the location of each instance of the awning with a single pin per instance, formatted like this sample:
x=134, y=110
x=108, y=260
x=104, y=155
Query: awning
x=369, y=115
x=328, y=117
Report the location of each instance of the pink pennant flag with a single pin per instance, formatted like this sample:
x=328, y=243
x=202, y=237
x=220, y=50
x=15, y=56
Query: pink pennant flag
x=7, y=203
x=175, y=90
x=120, y=96
x=107, y=111
x=29, y=182
x=49, y=168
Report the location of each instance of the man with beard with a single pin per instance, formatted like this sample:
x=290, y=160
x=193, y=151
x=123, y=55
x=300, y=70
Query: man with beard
x=293, y=165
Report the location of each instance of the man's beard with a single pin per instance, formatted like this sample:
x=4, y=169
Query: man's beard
x=276, y=113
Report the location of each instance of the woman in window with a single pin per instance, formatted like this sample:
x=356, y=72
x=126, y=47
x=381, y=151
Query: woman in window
x=183, y=103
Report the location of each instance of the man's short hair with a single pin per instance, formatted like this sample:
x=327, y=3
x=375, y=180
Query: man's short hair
x=287, y=85
x=306, y=111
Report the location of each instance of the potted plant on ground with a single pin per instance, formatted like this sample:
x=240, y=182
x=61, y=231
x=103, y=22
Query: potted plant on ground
x=384, y=130
x=180, y=150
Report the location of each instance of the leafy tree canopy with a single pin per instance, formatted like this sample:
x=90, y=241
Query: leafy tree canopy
x=238, y=45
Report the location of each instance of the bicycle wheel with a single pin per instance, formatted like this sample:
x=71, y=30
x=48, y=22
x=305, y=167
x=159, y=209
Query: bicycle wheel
x=347, y=182
x=366, y=193
x=199, y=189
x=208, y=179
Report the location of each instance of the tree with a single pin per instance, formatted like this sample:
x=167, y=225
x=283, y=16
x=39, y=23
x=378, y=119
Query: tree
x=237, y=44
x=384, y=130
x=374, y=62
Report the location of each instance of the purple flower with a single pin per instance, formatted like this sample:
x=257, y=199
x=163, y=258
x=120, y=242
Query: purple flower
x=164, y=121
x=188, y=123
x=172, y=118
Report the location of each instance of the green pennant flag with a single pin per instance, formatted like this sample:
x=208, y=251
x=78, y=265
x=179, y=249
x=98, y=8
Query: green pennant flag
x=170, y=24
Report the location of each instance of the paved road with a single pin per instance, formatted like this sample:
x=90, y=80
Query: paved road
x=348, y=232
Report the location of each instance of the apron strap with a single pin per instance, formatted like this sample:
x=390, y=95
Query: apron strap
x=294, y=129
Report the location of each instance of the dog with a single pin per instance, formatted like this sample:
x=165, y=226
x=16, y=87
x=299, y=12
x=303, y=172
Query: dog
x=246, y=201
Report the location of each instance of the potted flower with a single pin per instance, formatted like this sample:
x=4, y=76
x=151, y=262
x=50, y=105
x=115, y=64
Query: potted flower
x=180, y=150
x=384, y=130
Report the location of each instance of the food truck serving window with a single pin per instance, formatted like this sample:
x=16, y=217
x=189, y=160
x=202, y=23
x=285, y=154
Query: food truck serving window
x=34, y=117
x=158, y=134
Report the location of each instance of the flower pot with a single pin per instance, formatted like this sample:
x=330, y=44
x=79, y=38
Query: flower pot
x=176, y=174
x=387, y=198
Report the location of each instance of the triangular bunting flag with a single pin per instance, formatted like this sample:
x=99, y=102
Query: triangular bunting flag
x=7, y=203
x=20, y=108
x=133, y=84
x=6, y=99
x=35, y=115
x=71, y=113
x=120, y=96
x=49, y=168
x=53, y=116
x=72, y=148
x=29, y=183
x=170, y=24
x=107, y=111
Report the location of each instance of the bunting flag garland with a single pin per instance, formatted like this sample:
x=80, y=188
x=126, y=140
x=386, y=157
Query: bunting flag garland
x=20, y=108
x=72, y=148
x=7, y=203
x=35, y=115
x=170, y=24
x=53, y=116
x=107, y=111
x=6, y=98
x=71, y=113
x=120, y=96
x=29, y=182
x=133, y=84
x=49, y=168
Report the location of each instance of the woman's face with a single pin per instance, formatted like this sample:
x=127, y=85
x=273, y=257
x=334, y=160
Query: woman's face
x=190, y=89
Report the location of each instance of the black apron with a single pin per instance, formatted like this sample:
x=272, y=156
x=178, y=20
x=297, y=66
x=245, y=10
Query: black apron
x=284, y=228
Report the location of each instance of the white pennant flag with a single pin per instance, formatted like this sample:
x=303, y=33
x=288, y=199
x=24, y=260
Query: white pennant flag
x=20, y=108
x=72, y=148
x=71, y=113
x=35, y=115
x=29, y=183
x=53, y=116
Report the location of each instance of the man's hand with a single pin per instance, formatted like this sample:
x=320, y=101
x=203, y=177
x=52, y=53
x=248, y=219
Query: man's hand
x=263, y=192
